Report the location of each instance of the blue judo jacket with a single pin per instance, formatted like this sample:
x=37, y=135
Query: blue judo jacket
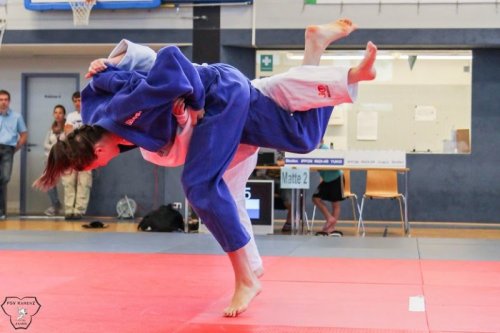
x=137, y=105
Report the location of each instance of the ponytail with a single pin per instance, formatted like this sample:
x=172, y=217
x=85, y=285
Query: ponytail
x=75, y=152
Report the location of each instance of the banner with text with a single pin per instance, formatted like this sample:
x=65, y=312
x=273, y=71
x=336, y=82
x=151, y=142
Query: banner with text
x=348, y=159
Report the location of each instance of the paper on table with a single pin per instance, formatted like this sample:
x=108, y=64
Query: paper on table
x=425, y=113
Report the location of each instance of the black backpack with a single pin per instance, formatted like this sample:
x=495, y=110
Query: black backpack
x=164, y=219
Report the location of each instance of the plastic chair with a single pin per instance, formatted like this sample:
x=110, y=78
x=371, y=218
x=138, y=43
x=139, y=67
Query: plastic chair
x=383, y=184
x=348, y=195
x=354, y=199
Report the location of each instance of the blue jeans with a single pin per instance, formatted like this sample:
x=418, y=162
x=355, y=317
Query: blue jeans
x=54, y=197
x=6, y=159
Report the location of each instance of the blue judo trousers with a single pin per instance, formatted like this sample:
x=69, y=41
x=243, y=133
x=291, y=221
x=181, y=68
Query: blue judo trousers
x=138, y=107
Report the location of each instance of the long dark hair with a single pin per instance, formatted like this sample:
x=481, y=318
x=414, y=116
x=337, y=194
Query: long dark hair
x=58, y=127
x=75, y=152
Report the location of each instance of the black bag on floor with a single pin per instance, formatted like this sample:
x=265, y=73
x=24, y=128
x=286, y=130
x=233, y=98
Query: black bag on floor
x=164, y=219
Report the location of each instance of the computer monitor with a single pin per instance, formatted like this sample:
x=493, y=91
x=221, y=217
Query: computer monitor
x=266, y=158
x=259, y=202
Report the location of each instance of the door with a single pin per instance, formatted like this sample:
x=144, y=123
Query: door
x=41, y=92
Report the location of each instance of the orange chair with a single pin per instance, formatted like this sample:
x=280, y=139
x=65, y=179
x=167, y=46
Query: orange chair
x=383, y=184
x=354, y=198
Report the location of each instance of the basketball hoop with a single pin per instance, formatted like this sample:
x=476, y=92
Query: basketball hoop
x=81, y=11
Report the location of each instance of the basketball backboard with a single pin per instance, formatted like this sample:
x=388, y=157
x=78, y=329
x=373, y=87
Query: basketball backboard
x=42, y=5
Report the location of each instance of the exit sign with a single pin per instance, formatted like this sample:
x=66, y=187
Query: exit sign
x=266, y=62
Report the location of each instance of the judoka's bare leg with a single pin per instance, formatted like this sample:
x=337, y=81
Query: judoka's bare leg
x=247, y=285
x=318, y=37
x=364, y=71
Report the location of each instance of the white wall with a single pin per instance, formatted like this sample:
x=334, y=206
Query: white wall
x=287, y=14
x=273, y=14
x=443, y=84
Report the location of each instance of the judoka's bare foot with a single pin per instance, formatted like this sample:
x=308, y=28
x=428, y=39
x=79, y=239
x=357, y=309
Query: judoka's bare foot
x=318, y=37
x=243, y=295
x=247, y=285
x=325, y=34
x=364, y=71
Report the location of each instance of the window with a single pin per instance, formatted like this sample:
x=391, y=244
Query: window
x=420, y=101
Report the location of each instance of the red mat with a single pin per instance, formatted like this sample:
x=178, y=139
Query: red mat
x=104, y=292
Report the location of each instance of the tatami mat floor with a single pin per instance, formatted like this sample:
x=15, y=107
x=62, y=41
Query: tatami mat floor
x=118, y=279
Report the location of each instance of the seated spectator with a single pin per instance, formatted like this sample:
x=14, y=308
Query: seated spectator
x=330, y=189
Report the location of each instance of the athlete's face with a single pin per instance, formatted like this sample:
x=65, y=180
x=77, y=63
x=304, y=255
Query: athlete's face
x=105, y=149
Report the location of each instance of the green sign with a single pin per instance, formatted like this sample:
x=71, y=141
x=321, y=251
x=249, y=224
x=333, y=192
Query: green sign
x=266, y=62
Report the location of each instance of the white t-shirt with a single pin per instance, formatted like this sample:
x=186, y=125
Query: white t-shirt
x=74, y=119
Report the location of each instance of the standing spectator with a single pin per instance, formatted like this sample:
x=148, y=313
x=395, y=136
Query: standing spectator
x=330, y=189
x=55, y=134
x=13, y=135
x=76, y=184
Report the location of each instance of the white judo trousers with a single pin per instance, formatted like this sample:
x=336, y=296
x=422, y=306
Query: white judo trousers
x=236, y=179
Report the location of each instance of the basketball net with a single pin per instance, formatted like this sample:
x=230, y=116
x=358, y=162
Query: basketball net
x=81, y=11
x=3, y=25
x=3, y=21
